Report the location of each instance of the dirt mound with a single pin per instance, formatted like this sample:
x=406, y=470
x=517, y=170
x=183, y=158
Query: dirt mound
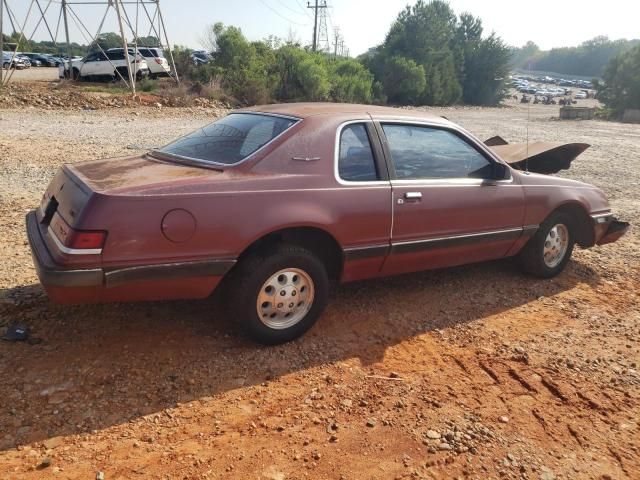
x=90, y=97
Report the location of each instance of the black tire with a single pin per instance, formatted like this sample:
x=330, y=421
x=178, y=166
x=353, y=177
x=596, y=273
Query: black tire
x=531, y=258
x=249, y=277
x=75, y=74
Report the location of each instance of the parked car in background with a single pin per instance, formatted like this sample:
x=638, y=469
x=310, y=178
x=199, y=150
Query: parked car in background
x=281, y=201
x=11, y=61
x=26, y=60
x=580, y=95
x=56, y=60
x=157, y=63
x=43, y=60
x=108, y=66
x=200, y=57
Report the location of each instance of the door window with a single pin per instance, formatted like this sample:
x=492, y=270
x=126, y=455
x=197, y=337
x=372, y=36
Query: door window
x=430, y=153
x=355, y=161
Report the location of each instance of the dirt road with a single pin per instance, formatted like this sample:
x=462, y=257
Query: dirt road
x=473, y=372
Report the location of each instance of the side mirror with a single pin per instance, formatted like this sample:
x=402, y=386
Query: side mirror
x=501, y=171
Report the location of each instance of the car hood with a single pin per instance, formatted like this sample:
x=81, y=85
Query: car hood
x=539, y=157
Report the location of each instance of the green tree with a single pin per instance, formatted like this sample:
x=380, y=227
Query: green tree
x=404, y=80
x=350, y=81
x=621, y=87
x=108, y=40
x=485, y=63
x=587, y=59
x=425, y=33
x=449, y=51
x=243, y=66
x=148, y=41
x=313, y=77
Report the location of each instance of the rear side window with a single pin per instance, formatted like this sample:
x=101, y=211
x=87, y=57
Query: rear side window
x=355, y=160
x=431, y=153
x=150, y=52
x=230, y=139
x=96, y=57
x=116, y=55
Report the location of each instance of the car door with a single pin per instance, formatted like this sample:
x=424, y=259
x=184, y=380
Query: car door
x=364, y=197
x=91, y=65
x=452, y=202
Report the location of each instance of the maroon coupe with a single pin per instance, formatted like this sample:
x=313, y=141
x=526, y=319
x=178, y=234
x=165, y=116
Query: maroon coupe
x=281, y=201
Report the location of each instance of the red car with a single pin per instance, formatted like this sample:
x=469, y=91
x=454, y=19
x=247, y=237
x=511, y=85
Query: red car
x=282, y=201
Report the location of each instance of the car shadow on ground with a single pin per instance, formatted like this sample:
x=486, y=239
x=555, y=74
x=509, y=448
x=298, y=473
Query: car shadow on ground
x=90, y=367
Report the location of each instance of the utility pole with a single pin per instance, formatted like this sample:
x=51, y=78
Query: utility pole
x=125, y=49
x=66, y=33
x=336, y=41
x=1, y=44
x=164, y=29
x=316, y=8
x=315, y=24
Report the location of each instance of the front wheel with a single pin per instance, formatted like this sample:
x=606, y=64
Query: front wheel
x=278, y=294
x=548, y=251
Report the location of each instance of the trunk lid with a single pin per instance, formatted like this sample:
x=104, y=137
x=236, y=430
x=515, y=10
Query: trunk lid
x=137, y=175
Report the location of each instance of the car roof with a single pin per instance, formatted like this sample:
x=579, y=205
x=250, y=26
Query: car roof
x=304, y=110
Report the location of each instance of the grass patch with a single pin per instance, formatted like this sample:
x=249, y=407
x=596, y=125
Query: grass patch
x=115, y=89
x=147, y=85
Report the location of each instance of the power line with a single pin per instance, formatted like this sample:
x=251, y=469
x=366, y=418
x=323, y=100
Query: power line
x=291, y=9
x=304, y=10
x=282, y=16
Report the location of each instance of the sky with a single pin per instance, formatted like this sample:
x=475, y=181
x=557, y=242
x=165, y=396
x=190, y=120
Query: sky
x=363, y=24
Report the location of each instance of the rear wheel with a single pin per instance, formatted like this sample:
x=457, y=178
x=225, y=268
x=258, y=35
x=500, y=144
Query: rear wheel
x=278, y=294
x=548, y=251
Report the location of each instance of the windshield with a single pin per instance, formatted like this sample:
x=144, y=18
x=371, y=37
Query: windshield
x=230, y=139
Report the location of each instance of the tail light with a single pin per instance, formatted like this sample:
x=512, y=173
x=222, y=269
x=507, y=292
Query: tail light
x=86, y=239
x=158, y=61
x=71, y=241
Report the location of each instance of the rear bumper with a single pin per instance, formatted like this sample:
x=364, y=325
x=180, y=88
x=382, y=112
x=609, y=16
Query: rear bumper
x=48, y=272
x=174, y=280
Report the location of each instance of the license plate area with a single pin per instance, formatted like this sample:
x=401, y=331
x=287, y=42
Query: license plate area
x=48, y=207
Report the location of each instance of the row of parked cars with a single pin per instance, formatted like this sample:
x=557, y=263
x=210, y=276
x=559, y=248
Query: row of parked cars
x=113, y=63
x=523, y=85
x=23, y=60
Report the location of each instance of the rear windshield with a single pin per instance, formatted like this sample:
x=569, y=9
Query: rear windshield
x=116, y=55
x=151, y=52
x=230, y=139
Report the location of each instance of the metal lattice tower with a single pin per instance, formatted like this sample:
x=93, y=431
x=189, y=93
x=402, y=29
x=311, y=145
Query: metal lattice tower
x=319, y=14
x=323, y=31
x=145, y=13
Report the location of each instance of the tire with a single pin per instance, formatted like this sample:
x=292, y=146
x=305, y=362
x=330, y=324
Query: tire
x=548, y=251
x=75, y=74
x=284, y=270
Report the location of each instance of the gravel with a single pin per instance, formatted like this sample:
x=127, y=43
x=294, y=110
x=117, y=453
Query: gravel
x=467, y=345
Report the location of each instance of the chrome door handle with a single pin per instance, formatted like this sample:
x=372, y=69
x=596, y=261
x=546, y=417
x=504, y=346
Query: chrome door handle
x=413, y=195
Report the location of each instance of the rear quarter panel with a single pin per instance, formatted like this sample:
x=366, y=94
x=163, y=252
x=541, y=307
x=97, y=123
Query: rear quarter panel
x=246, y=203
